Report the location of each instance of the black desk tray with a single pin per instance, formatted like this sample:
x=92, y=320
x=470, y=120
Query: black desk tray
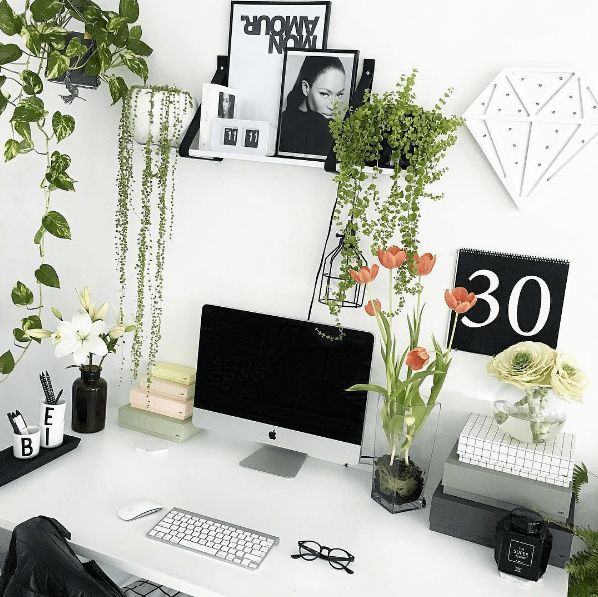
x=12, y=468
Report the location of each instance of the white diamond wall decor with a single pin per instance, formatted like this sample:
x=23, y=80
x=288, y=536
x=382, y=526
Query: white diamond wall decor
x=530, y=123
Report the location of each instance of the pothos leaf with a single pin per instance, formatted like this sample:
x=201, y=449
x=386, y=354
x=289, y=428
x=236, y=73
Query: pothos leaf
x=58, y=64
x=56, y=224
x=21, y=295
x=63, y=125
x=7, y=363
x=47, y=276
x=32, y=84
x=9, y=53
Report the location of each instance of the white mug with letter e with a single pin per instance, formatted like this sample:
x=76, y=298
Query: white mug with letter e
x=26, y=446
x=51, y=422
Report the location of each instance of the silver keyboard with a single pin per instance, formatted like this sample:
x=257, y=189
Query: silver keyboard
x=214, y=538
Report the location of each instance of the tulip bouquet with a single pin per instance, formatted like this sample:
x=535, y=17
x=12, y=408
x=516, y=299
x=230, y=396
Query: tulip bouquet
x=86, y=334
x=404, y=407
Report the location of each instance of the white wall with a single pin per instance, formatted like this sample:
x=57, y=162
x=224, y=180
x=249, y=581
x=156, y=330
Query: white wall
x=249, y=235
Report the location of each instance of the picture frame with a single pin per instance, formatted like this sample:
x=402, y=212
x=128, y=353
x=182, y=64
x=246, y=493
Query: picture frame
x=259, y=33
x=313, y=82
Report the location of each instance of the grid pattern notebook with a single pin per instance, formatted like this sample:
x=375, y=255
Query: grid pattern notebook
x=483, y=443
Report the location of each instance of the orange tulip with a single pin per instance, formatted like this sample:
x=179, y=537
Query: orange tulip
x=459, y=300
x=417, y=358
x=373, y=307
x=393, y=257
x=424, y=264
x=365, y=275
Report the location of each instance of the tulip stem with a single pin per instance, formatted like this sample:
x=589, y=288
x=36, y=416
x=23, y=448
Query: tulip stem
x=390, y=310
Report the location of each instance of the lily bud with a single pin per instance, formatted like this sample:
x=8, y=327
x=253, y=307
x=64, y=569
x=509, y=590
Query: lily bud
x=131, y=327
x=99, y=313
x=57, y=313
x=117, y=331
x=38, y=333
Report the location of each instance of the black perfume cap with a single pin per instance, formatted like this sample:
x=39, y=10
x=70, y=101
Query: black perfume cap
x=526, y=521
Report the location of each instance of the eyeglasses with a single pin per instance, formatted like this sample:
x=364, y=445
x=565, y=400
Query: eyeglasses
x=336, y=557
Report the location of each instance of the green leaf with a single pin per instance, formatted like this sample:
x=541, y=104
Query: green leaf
x=368, y=387
x=32, y=84
x=60, y=180
x=25, y=146
x=33, y=39
x=30, y=109
x=75, y=48
x=21, y=295
x=58, y=64
x=135, y=32
x=93, y=66
x=39, y=235
x=7, y=363
x=3, y=102
x=129, y=9
x=118, y=88
x=62, y=125
x=2, y=80
x=45, y=10
x=11, y=149
x=116, y=23
x=59, y=162
x=139, y=47
x=33, y=322
x=56, y=224
x=10, y=23
x=54, y=35
x=135, y=64
x=580, y=478
x=47, y=276
x=20, y=336
x=9, y=53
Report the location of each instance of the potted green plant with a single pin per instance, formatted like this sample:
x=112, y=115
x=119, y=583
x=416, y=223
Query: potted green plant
x=42, y=46
x=155, y=116
x=387, y=128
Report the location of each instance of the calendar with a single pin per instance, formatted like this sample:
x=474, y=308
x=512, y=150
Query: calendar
x=520, y=297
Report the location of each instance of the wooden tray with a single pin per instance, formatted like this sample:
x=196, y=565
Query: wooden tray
x=12, y=468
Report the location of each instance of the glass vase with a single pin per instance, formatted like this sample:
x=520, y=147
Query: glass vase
x=89, y=401
x=403, y=449
x=531, y=416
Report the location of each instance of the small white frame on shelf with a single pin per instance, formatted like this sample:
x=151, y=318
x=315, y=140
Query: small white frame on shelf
x=530, y=123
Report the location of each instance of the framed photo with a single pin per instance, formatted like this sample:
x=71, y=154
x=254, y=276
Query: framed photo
x=315, y=84
x=226, y=105
x=259, y=34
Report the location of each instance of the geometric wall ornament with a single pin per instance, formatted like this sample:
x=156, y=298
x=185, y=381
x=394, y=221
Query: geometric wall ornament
x=530, y=123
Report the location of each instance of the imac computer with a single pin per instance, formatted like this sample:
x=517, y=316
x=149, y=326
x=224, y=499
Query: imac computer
x=282, y=383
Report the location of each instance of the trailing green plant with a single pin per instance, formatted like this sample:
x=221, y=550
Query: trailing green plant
x=583, y=565
x=155, y=208
x=415, y=141
x=44, y=48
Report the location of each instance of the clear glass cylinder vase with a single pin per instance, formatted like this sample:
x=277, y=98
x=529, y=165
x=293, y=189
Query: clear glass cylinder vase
x=532, y=416
x=403, y=448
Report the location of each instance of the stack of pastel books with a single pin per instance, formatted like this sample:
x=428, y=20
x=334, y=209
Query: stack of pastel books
x=164, y=406
x=488, y=473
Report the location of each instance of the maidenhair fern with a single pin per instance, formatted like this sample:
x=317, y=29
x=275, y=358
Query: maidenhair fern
x=154, y=211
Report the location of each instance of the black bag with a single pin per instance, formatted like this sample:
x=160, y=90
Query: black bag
x=40, y=563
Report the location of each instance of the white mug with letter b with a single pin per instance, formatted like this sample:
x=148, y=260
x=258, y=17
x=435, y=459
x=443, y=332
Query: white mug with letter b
x=51, y=422
x=26, y=446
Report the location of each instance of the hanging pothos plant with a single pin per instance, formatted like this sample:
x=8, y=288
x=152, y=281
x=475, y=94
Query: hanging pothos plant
x=413, y=140
x=154, y=116
x=43, y=47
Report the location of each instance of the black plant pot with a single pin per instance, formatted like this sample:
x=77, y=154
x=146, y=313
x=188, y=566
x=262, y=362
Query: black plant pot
x=385, y=157
x=89, y=401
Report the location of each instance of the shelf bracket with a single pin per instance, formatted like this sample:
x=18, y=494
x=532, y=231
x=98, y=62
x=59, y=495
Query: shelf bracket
x=365, y=84
x=220, y=78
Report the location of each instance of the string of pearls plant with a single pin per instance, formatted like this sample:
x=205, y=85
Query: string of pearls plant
x=151, y=201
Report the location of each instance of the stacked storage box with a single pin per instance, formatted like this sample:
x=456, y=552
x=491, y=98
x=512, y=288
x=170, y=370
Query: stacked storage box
x=489, y=473
x=165, y=407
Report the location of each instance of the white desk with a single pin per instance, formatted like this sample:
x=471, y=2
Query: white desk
x=394, y=555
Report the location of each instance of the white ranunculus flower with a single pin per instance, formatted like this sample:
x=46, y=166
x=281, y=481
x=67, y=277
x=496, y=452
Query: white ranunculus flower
x=568, y=380
x=524, y=365
x=80, y=337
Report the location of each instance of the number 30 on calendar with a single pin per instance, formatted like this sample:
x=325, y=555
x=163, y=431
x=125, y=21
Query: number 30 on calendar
x=513, y=304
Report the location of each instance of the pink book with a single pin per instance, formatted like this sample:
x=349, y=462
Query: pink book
x=160, y=404
x=170, y=388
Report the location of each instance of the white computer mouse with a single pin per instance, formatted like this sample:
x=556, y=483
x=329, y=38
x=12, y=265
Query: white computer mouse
x=138, y=509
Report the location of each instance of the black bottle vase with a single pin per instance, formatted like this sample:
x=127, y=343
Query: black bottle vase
x=89, y=400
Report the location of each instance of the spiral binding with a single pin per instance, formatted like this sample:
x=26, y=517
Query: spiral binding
x=515, y=256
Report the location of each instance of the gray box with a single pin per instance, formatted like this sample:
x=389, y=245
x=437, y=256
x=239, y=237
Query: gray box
x=550, y=500
x=476, y=522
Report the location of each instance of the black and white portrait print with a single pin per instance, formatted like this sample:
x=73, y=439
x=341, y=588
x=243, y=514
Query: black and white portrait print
x=226, y=105
x=316, y=85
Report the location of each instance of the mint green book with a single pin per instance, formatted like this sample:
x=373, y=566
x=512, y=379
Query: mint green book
x=155, y=424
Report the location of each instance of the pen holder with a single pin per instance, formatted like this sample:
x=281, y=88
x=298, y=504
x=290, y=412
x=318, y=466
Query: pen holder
x=26, y=446
x=51, y=422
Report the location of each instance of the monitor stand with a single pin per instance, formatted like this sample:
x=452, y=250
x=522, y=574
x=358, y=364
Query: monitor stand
x=276, y=461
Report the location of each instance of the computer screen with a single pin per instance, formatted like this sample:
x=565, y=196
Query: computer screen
x=283, y=372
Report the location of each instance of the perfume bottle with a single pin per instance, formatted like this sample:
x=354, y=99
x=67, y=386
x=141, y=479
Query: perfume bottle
x=522, y=544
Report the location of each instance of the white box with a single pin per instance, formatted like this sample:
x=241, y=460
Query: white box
x=256, y=137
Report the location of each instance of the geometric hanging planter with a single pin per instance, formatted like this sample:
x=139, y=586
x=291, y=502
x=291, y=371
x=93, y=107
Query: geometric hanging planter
x=530, y=123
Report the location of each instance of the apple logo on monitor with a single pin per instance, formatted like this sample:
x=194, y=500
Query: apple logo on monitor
x=272, y=434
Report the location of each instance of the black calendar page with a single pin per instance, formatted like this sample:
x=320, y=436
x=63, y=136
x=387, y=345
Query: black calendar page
x=519, y=298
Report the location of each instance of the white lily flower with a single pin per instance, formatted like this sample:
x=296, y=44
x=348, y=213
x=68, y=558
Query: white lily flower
x=80, y=337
